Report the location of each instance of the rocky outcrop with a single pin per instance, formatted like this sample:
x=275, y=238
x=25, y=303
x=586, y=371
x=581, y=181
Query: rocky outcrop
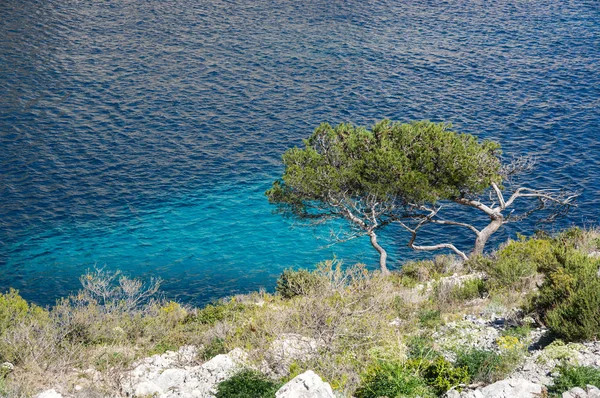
x=306, y=385
x=173, y=375
x=178, y=374
x=540, y=366
x=287, y=349
x=510, y=388
x=589, y=392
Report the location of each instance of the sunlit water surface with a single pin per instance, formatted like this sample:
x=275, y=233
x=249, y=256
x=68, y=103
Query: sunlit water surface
x=141, y=135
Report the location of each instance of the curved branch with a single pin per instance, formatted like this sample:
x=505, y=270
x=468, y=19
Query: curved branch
x=441, y=246
x=563, y=199
x=476, y=204
x=413, y=231
x=460, y=224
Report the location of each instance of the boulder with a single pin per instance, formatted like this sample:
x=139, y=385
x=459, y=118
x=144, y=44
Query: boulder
x=306, y=385
x=49, y=394
x=577, y=392
x=509, y=388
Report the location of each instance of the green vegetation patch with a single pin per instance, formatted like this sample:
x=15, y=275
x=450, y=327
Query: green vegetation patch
x=248, y=384
x=574, y=376
x=298, y=283
x=569, y=299
x=390, y=379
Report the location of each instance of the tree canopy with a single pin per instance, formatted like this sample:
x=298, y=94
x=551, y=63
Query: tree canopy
x=393, y=172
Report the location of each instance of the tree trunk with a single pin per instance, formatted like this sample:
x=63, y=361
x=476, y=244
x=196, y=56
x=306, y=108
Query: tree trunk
x=382, y=254
x=496, y=222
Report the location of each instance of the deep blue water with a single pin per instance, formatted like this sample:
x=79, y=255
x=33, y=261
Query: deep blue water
x=141, y=135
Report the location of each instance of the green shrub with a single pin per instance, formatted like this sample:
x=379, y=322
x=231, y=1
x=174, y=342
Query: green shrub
x=441, y=375
x=469, y=289
x=520, y=332
x=429, y=318
x=212, y=349
x=484, y=366
x=213, y=313
x=162, y=347
x=248, y=384
x=302, y=282
x=392, y=379
x=421, y=347
x=559, y=351
x=569, y=299
x=574, y=376
x=15, y=310
x=517, y=263
x=413, y=272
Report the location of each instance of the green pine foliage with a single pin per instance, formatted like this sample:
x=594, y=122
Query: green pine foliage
x=414, y=162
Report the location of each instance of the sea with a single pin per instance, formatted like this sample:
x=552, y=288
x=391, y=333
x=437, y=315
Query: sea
x=140, y=136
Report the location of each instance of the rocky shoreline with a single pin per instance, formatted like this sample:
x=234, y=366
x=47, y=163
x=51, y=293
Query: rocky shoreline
x=177, y=374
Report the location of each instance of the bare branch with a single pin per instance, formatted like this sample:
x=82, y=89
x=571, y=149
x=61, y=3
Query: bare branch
x=500, y=196
x=518, y=165
x=460, y=224
x=563, y=198
x=441, y=246
x=476, y=204
x=425, y=220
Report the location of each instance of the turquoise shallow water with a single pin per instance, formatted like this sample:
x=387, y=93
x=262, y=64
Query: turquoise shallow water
x=141, y=135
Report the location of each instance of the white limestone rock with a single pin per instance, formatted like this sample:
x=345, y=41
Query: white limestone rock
x=575, y=392
x=288, y=348
x=49, y=394
x=306, y=385
x=174, y=375
x=593, y=391
x=146, y=388
x=511, y=388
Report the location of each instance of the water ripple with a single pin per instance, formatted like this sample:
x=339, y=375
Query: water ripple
x=141, y=134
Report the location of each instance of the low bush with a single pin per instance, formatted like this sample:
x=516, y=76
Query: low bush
x=486, y=366
x=302, y=282
x=569, y=299
x=213, y=313
x=429, y=318
x=520, y=332
x=414, y=272
x=574, y=376
x=248, y=384
x=212, y=349
x=421, y=347
x=468, y=290
x=441, y=375
x=15, y=310
x=559, y=351
x=391, y=379
x=515, y=265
